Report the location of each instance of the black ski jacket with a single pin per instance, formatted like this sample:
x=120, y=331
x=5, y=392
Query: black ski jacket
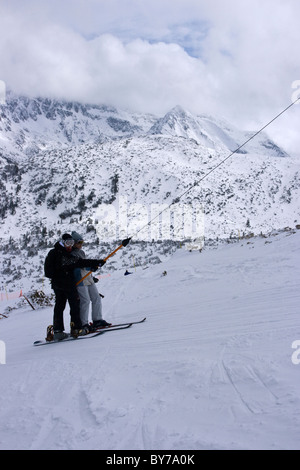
x=59, y=266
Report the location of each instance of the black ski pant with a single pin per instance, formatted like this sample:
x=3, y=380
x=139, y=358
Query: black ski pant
x=61, y=298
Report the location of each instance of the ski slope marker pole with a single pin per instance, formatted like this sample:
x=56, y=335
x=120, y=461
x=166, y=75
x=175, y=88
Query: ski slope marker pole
x=28, y=302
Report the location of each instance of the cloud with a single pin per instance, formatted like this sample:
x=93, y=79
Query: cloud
x=51, y=60
x=233, y=59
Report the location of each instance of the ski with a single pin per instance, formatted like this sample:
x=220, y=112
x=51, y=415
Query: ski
x=101, y=328
x=90, y=335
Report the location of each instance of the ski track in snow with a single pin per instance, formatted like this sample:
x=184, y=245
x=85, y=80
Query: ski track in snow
x=209, y=369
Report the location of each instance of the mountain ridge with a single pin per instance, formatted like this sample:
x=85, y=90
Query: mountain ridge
x=78, y=123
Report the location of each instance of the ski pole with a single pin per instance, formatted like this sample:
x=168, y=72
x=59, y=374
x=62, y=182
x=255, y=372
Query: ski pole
x=124, y=243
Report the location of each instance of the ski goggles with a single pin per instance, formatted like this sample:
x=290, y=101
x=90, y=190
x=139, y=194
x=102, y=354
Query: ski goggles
x=69, y=242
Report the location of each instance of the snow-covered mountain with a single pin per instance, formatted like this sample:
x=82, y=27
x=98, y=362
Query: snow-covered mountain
x=28, y=126
x=63, y=163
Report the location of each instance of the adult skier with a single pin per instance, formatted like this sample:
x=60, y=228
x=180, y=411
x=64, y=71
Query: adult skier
x=59, y=267
x=87, y=290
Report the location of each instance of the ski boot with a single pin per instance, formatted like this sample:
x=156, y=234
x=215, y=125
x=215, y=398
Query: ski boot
x=75, y=332
x=59, y=335
x=100, y=324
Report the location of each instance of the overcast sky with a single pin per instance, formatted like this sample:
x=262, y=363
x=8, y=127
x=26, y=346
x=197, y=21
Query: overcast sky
x=235, y=59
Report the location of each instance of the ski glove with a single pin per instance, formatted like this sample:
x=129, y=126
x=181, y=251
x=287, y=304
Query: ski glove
x=95, y=263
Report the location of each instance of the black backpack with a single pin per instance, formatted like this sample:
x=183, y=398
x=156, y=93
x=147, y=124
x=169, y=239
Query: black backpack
x=49, y=266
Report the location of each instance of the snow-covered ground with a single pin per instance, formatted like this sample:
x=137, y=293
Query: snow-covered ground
x=211, y=368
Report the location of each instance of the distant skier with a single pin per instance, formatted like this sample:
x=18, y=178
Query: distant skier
x=59, y=267
x=87, y=290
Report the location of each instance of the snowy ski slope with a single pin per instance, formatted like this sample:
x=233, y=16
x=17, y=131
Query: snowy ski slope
x=211, y=368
